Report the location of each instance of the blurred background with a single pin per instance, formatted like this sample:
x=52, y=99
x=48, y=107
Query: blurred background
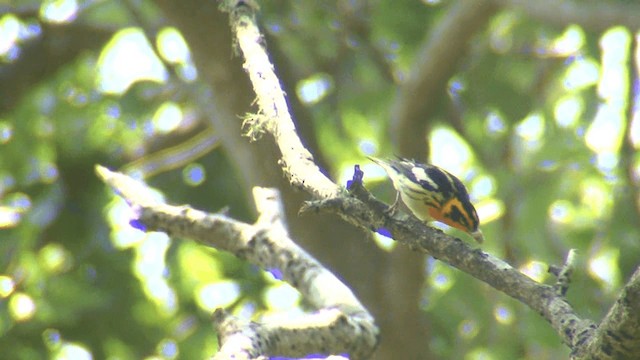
x=537, y=112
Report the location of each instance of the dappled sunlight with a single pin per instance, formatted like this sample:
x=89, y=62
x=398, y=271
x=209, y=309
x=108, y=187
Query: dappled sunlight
x=55, y=259
x=9, y=217
x=536, y=270
x=151, y=270
x=450, y=152
x=150, y=252
x=562, y=211
x=368, y=146
x=168, y=349
x=314, y=88
x=167, y=118
x=281, y=296
x=172, y=46
x=604, y=135
x=194, y=174
x=70, y=350
x=501, y=35
x=59, y=11
x=531, y=132
x=384, y=242
x=219, y=294
x=605, y=132
x=21, y=307
x=468, y=329
x=6, y=132
x=596, y=197
x=613, y=83
x=483, y=186
x=9, y=33
x=174, y=49
x=569, y=42
x=60, y=349
x=568, y=110
x=441, y=278
x=481, y=354
x=123, y=235
x=495, y=124
x=200, y=266
x=581, y=73
x=603, y=266
x=607, y=162
x=531, y=129
x=489, y=210
x=13, y=206
x=126, y=59
x=7, y=286
x=503, y=314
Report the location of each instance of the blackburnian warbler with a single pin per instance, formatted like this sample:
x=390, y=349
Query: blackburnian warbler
x=432, y=193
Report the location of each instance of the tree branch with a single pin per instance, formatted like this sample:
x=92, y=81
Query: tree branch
x=364, y=210
x=347, y=251
x=564, y=273
x=274, y=117
x=591, y=15
x=618, y=336
x=341, y=322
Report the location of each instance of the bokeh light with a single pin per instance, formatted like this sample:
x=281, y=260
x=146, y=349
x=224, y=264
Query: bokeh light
x=167, y=118
x=581, y=73
x=21, y=307
x=126, y=59
x=449, y=151
x=441, y=278
x=503, y=314
x=468, y=329
x=9, y=30
x=58, y=11
x=6, y=132
x=172, y=46
x=7, y=286
x=73, y=351
x=536, y=270
x=570, y=42
x=55, y=258
x=281, y=296
x=567, y=111
x=194, y=174
x=314, y=88
x=603, y=266
x=216, y=295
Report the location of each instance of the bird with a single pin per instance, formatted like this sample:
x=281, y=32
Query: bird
x=432, y=193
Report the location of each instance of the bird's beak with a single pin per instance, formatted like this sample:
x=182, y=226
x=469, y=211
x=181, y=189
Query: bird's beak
x=477, y=235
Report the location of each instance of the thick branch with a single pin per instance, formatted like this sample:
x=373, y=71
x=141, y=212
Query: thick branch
x=618, y=336
x=274, y=118
x=342, y=323
x=369, y=213
x=364, y=210
x=591, y=15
